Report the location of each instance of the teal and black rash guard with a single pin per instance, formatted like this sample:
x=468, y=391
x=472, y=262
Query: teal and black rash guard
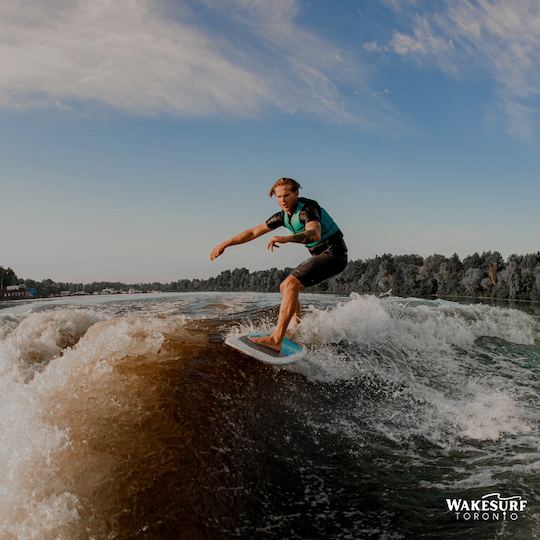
x=308, y=210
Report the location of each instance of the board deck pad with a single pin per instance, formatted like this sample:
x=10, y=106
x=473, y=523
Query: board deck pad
x=290, y=350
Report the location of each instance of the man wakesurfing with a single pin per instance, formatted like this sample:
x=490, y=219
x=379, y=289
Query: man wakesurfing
x=310, y=225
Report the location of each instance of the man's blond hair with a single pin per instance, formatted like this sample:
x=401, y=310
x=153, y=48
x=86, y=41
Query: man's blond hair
x=294, y=185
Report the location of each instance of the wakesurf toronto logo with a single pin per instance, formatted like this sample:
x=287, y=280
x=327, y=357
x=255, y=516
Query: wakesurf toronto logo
x=490, y=507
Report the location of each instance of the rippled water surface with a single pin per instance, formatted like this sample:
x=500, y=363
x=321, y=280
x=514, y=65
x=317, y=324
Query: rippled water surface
x=127, y=417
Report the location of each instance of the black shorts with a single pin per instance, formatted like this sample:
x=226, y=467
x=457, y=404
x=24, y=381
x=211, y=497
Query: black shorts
x=329, y=263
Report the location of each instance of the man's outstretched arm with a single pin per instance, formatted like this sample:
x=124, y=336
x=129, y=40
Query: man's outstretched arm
x=240, y=238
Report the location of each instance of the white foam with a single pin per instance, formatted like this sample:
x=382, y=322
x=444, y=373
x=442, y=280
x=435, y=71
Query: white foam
x=424, y=357
x=27, y=467
x=474, y=411
x=415, y=325
x=71, y=349
x=484, y=413
x=39, y=337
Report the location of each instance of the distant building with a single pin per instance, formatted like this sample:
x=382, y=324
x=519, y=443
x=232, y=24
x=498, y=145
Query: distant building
x=15, y=287
x=13, y=292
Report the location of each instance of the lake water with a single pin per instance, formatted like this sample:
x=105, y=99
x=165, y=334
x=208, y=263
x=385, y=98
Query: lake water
x=127, y=417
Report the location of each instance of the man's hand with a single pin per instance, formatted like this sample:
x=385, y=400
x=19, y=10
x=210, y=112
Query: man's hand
x=275, y=240
x=240, y=238
x=217, y=251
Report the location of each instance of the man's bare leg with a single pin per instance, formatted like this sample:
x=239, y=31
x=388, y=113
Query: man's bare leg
x=290, y=288
x=296, y=318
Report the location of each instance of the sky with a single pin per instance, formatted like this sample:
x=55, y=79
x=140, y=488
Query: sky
x=137, y=134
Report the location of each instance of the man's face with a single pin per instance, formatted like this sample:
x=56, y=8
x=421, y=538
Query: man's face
x=286, y=197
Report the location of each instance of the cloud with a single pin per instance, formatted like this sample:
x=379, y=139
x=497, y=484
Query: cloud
x=124, y=54
x=383, y=92
x=152, y=56
x=520, y=119
x=496, y=37
x=373, y=46
x=422, y=42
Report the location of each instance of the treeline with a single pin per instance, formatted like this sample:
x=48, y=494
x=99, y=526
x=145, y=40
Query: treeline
x=483, y=276
x=486, y=276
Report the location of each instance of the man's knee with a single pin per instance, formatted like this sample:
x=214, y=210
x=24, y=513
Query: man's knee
x=290, y=283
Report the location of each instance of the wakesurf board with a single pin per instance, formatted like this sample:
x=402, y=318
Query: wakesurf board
x=290, y=350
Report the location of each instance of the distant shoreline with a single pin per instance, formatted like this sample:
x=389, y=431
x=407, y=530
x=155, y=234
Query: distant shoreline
x=478, y=276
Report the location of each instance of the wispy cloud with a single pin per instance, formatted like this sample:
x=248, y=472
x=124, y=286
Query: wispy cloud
x=497, y=37
x=150, y=56
x=422, y=42
x=124, y=54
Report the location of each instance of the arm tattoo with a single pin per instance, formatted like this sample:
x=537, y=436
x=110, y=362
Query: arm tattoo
x=305, y=237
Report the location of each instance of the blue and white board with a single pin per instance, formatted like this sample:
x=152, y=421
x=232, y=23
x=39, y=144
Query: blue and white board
x=290, y=350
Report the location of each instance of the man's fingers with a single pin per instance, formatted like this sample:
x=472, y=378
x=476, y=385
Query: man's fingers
x=272, y=244
x=215, y=253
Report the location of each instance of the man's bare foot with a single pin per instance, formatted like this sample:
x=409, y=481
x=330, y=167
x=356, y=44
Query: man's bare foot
x=267, y=341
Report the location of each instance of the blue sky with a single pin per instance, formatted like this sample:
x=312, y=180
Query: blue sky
x=136, y=135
